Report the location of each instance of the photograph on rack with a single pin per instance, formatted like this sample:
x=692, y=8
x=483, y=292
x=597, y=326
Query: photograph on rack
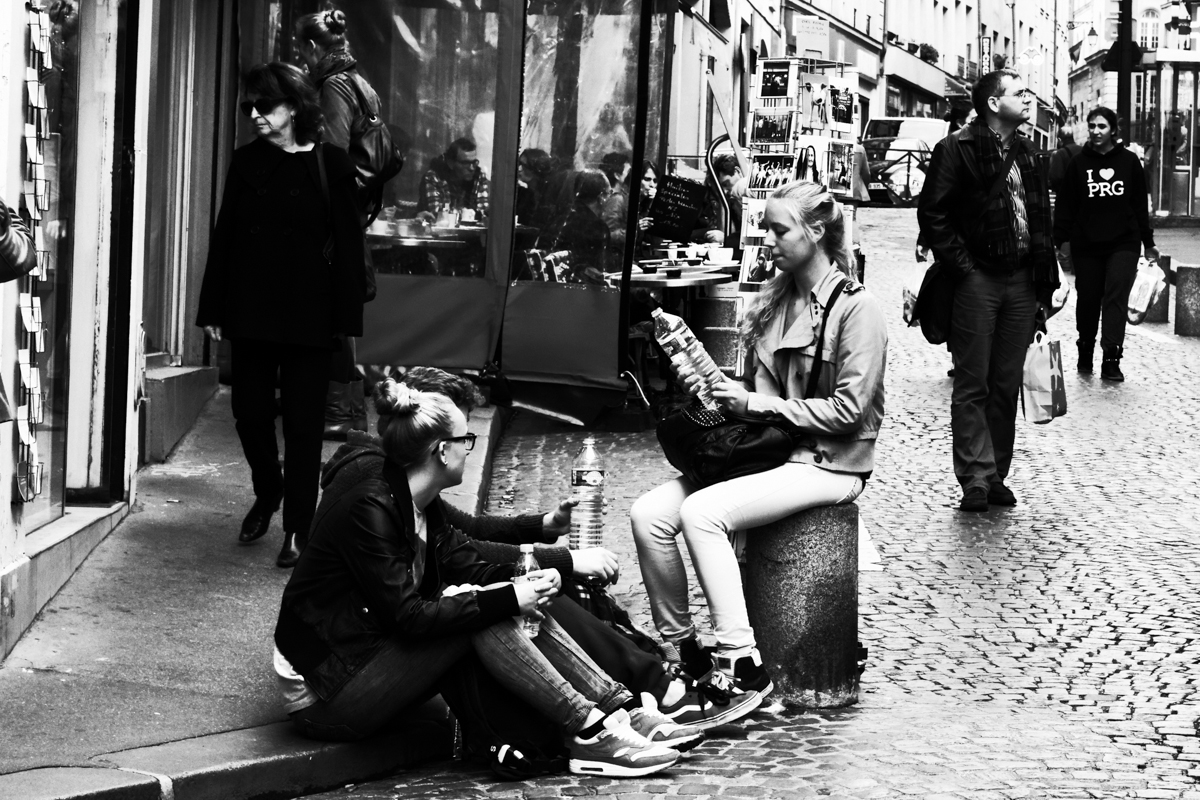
x=841, y=167
x=777, y=80
x=771, y=128
x=753, y=211
x=757, y=268
x=814, y=100
x=770, y=171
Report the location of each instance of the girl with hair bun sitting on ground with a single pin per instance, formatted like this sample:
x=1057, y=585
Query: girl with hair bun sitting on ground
x=387, y=596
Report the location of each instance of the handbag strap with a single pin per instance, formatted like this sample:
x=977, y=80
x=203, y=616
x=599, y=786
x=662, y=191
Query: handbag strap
x=814, y=374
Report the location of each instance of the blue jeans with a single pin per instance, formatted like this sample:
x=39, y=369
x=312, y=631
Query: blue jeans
x=549, y=672
x=990, y=331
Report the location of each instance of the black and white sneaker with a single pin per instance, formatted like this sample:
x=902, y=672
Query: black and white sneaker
x=747, y=672
x=618, y=751
x=706, y=706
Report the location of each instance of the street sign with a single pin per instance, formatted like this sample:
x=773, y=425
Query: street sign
x=1112, y=28
x=985, y=54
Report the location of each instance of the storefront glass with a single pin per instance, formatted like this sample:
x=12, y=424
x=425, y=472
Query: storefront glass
x=48, y=151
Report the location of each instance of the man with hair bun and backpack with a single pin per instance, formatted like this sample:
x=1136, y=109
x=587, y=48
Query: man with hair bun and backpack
x=352, y=122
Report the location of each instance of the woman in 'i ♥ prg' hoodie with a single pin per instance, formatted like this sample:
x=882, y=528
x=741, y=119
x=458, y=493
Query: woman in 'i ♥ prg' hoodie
x=1102, y=222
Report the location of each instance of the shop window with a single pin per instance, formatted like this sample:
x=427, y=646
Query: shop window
x=48, y=153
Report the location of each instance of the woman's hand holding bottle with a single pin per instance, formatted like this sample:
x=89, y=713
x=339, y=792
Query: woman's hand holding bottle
x=535, y=594
x=732, y=395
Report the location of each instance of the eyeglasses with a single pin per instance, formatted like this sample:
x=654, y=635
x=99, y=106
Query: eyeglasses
x=474, y=162
x=1021, y=95
x=263, y=105
x=468, y=440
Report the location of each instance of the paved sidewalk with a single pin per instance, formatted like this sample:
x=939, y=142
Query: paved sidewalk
x=1044, y=651
x=149, y=674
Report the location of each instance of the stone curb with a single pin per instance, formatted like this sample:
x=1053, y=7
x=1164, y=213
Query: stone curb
x=268, y=761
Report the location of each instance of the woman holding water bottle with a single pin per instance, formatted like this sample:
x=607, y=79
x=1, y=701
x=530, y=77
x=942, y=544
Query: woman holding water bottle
x=388, y=595
x=835, y=432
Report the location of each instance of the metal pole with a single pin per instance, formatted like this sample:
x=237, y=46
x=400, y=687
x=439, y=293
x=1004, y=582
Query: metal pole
x=1125, y=66
x=881, y=87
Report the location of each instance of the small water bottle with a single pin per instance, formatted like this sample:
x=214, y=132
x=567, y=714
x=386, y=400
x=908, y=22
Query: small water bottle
x=681, y=345
x=587, y=486
x=526, y=564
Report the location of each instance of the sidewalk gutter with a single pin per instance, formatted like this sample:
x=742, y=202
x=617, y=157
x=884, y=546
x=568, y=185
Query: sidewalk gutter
x=266, y=761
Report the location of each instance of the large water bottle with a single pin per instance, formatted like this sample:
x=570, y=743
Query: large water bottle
x=677, y=341
x=587, y=486
x=526, y=563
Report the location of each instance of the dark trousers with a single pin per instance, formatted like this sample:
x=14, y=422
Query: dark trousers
x=1102, y=285
x=342, y=361
x=990, y=331
x=302, y=374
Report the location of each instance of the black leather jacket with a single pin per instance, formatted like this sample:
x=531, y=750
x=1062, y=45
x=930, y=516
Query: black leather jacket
x=952, y=204
x=17, y=256
x=365, y=577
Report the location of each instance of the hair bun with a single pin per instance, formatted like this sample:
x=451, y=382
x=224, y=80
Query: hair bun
x=335, y=21
x=396, y=399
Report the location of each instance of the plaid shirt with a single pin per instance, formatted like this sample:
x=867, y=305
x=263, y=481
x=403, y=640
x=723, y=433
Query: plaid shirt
x=439, y=192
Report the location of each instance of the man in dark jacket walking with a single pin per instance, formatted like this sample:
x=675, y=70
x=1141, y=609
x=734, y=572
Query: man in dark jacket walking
x=998, y=245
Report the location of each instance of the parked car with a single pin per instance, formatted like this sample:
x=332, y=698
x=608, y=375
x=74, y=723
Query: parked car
x=897, y=166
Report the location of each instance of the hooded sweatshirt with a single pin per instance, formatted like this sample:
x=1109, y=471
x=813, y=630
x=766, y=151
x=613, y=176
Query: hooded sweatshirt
x=1103, y=205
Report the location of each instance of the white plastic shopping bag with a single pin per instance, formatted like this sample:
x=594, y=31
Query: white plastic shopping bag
x=1147, y=286
x=1043, y=389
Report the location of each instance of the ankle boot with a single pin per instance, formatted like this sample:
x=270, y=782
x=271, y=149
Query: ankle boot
x=1087, y=351
x=358, y=405
x=1110, y=367
x=339, y=418
x=289, y=554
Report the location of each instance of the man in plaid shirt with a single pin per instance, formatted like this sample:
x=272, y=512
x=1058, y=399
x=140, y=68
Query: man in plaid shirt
x=454, y=182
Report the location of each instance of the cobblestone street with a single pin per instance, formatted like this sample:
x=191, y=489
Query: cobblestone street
x=1044, y=651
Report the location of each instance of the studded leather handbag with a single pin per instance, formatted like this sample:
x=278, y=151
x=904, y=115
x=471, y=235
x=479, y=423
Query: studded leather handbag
x=710, y=446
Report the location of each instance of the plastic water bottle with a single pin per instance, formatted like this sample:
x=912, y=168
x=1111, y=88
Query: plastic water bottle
x=684, y=349
x=587, y=486
x=526, y=564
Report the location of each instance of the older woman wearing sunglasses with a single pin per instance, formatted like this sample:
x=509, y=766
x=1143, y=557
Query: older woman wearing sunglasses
x=284, y=278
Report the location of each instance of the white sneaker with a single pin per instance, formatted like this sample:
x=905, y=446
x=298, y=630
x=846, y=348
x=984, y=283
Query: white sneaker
x=659, y=729
x=618, y=751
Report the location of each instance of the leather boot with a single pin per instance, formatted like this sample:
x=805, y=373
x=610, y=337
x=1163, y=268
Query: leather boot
x=1110, y=367
x=339, y=419
x=289, y=554
x=1087, y=351
x=358, y=405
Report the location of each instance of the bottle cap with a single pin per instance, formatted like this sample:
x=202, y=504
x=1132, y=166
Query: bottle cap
x=526, y=548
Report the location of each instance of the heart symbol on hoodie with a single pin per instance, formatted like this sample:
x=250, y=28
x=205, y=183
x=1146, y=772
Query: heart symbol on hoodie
x=1106, y=174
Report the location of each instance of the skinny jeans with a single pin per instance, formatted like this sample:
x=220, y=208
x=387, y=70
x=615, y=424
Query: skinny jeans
x=1102, y=285
x=706, y=517
x=990, y=330
x=550, y=673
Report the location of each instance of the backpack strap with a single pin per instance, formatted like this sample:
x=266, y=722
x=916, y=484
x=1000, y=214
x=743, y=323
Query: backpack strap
x=814, y=374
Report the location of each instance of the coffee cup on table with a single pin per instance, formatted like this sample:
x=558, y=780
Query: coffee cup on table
x=467, y=215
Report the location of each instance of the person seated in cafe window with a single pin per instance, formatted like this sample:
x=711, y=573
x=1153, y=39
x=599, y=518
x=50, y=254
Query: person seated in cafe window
x=582, y=231
x=730, y=184
x=454, y=183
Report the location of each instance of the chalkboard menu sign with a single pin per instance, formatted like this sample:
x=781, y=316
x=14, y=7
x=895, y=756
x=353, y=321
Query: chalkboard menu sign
x=676, y=208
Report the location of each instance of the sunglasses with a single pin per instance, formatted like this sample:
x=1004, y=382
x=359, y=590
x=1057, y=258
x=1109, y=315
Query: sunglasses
x=263, y=105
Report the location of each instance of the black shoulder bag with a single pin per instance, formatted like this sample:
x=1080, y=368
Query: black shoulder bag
x=376, y=157
x=713, y=446
x=935, y=299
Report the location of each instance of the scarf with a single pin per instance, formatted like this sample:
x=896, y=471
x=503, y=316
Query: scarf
x=331, y=64
x=998, y=237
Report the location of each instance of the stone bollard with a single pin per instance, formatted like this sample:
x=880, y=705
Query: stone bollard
x=1160, y=310
x=802, y=594
x=1187, y=300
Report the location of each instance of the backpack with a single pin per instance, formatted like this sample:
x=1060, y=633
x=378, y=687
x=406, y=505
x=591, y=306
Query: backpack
x=516, y=741
x=376, y=157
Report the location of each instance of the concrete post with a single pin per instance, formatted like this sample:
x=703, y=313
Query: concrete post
x=1159, y=312
x=802, y=596
x=1187, y=300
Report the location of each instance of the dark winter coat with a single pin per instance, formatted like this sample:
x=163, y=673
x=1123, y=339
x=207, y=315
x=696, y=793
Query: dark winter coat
x=267, y=277
x=336, y=76
x=1103, y=205
x=365, y=577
